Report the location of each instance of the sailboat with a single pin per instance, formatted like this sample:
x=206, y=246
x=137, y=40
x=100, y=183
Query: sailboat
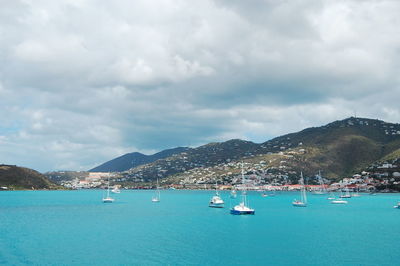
x=347, y=195
x=116, y=190
x=303, y=195
x=339, y=201
x=322, y=189
x=233, y=193
x=356, y=194
x=216, y=201
x=108, y=199
x=157, y=196
x=243, y=207
x=331, y=196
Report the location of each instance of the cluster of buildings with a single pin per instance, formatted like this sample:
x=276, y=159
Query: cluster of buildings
x=92, y=180
x=263, y=172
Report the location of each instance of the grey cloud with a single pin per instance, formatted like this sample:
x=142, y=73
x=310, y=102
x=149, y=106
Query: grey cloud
x=83, y=81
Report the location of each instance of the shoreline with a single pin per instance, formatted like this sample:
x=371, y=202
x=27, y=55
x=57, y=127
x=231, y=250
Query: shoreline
x=189, y=189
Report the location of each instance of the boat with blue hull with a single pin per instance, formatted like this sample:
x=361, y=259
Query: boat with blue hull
x=243, y=207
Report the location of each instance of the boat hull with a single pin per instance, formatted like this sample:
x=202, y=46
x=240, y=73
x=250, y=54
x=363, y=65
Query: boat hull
x=299, y=204
x=108, y=200
x=216, y=205
x=237, y=212
x=339, y=202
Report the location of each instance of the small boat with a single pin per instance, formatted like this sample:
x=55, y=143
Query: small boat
x=303, y=195
x=242, y=208
x=157, y=196
x=322, y=189
x=339, y=201
x=346, y=195
x=331, y=196
x=397, y=206
x=264, y=194
x=108, y=199
x=356, y=193
x=233, y=194
x=216, y=201
x=116, y=190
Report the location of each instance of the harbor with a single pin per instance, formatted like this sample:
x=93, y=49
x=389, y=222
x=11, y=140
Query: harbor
x=75, y=227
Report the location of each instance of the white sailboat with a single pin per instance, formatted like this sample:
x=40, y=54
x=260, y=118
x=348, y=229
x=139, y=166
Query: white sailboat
x=233, y=193
x=303, y=195
x=339, y=201
x=347, y=193
x=243, y=207
x=322, y=189
x=116, y=190
x=356, y=193
x=331, y=196
x=216, y=201
x=157, y=196
x=108, y=199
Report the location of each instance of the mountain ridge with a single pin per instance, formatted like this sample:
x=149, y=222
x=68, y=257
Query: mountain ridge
x=339, y=148
x=134, y=159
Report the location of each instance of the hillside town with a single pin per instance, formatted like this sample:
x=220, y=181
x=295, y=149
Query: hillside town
x=258, y=175
x=319, y=154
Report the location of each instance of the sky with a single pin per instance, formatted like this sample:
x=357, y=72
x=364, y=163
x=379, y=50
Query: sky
x=84, y=81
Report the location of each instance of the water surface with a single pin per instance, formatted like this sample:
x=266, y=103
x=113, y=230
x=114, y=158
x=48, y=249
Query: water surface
x=76, y=228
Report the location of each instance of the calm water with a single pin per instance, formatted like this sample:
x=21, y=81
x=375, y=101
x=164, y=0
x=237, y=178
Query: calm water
x=75, y=227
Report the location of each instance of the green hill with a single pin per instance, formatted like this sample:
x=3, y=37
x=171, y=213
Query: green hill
x=344, y=147
x=14, y=177
x=338, y=149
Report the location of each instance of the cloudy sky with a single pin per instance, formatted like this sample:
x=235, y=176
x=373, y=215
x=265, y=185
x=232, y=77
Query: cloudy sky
x=84, y=81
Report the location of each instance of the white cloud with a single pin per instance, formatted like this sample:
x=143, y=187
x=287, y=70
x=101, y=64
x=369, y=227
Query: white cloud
x=84, y=81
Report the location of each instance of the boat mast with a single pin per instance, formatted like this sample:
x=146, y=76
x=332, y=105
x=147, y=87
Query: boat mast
x=303, y=189
x=108, y=186
x=244, y=198
x=321, y=182
x=158, y=190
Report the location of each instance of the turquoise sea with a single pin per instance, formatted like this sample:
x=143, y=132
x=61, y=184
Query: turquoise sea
x=76, y=228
